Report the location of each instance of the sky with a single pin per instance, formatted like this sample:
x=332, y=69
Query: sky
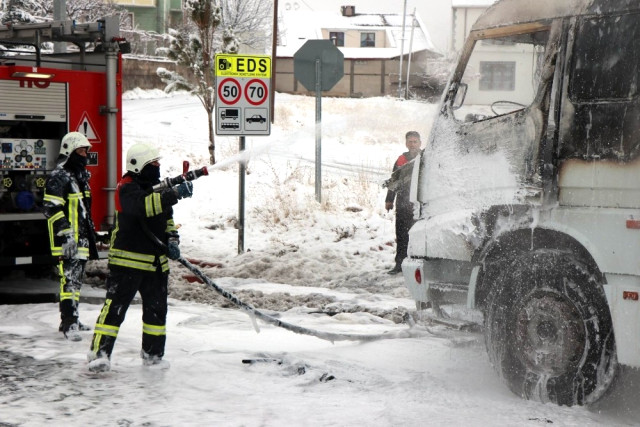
x=320, y=265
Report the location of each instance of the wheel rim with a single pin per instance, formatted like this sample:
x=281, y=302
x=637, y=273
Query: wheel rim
x=549, y=333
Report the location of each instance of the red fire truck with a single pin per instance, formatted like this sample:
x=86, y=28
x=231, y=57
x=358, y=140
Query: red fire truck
x=55, y=77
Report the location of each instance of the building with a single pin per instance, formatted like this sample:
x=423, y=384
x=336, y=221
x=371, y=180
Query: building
x=493, y=66
x=372, y=44
x=463, y=14
x=153, y=15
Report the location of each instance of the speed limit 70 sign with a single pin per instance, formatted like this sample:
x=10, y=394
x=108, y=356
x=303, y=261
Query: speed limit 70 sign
x=243, y=91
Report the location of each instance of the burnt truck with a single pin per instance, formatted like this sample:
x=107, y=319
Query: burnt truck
x=55, y=77
x=527, y=196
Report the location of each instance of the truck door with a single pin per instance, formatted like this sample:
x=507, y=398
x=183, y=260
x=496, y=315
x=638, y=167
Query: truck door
x=484, y=148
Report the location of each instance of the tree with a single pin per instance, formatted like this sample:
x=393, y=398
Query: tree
x=195, y=52
x=194, y=46
x=26, y=11
x=250, y=20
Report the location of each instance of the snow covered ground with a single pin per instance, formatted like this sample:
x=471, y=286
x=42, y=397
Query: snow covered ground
x=322, y=266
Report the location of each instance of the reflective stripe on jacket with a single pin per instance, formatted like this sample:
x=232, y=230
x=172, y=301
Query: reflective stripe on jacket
x=140, y=212
x=67, y=207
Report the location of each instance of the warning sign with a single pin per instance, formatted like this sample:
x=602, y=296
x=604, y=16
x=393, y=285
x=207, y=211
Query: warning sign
x=87, y=129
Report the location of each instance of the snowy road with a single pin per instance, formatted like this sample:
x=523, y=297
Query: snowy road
x=301, y=259
x=411, y=382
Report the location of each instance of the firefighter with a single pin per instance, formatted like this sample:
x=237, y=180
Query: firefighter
x=143, y=237
x=67, y=207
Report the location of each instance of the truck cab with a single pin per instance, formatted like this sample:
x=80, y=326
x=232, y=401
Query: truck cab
x=527, y=197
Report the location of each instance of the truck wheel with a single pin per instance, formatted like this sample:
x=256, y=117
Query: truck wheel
x=548, y=330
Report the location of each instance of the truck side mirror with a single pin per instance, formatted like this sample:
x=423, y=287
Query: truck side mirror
x=461, y=93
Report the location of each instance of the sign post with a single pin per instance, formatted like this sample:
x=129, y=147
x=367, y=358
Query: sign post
x=242, y=108
x=318, y=65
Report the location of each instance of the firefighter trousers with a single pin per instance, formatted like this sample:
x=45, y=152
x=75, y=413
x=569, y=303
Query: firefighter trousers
x=70, y=272
x=122, y=285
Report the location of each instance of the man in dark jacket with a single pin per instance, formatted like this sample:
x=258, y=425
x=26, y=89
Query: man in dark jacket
x=404, y=208
x=67, y=207
x=143, y=237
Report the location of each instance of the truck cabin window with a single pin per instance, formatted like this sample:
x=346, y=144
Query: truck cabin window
x=603, y=88
x=502, y=75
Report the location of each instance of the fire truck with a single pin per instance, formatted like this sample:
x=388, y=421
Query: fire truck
x=55, y=77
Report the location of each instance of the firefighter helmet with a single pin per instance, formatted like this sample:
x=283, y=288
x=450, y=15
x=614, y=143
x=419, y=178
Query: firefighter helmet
x=72, y=141
x=140, y=155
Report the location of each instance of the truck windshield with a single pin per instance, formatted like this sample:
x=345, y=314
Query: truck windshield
x=501, y=76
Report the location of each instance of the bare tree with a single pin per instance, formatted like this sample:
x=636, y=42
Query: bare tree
x=80, y=10
x=194, y=47
x=250, y=20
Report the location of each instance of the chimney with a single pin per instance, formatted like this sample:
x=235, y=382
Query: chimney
x=348, y=10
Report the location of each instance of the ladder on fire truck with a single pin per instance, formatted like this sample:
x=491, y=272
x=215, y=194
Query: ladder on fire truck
x=105, y=30
x=104, y=34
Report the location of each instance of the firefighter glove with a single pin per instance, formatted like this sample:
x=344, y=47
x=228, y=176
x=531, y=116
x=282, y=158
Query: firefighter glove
x=184, y=190
x=69, y=247
x=173, y=250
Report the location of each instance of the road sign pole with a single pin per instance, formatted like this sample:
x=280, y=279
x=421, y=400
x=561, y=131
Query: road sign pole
x=318, y=131
x=241, y=187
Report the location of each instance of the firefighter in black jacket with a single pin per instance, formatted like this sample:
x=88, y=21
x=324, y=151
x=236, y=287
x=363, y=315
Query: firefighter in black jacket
x=67, y=207
x=143, y=236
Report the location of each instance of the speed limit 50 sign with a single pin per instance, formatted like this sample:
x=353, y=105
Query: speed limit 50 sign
x=243, y=90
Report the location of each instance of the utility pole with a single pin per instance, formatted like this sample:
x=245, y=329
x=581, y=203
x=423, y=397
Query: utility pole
x=413, y=26
x=404, y=16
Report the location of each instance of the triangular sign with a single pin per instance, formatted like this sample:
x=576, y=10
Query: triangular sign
x=86, y=128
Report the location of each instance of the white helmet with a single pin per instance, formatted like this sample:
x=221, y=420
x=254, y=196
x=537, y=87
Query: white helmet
x=139, y=155
x=72, y=141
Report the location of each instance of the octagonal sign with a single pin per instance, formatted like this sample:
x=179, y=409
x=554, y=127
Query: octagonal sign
x=331, y=63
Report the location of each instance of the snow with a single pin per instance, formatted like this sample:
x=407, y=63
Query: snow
x=318, y=265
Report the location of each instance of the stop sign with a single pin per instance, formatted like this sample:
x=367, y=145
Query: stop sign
x=331, y=63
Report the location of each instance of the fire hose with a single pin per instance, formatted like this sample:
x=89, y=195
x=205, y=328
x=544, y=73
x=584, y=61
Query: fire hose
x=187, y=175
x=254, y=313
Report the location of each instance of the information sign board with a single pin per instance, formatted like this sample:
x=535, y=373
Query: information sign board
x=243, y=88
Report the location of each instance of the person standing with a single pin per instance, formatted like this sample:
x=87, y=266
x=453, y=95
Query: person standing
x=67, y=208
x=404, y=207
x=144, y=236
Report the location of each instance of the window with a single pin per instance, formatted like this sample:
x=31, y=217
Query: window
x=502, y=75
x=606, y=58
x=367, y=39
x=337, y=38
x=497, y=75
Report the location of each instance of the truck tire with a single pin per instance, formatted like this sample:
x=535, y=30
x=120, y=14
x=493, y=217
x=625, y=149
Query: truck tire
x=548, y=329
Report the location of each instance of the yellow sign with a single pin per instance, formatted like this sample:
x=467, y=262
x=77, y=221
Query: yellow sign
x=258, y=66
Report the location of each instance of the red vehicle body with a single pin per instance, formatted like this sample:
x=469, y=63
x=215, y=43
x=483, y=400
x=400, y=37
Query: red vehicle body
x=42, y=97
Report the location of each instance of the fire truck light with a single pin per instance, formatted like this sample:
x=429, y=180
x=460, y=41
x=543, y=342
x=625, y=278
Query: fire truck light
x=418, y=276
x=27, y=75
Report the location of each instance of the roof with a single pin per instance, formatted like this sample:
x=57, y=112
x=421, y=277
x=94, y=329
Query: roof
x=509, y=12
x=296, y=27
